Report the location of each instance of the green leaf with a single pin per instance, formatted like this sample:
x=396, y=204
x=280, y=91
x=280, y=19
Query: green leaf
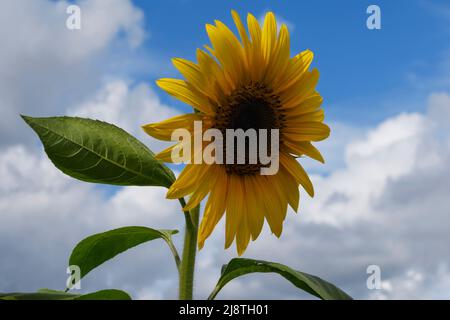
x=98, y=248
x=110, y=294
x=309, y=283
x=99, y=152
x=44, y=295
x=47, y=294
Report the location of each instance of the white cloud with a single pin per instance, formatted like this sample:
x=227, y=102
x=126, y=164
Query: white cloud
x=128, y=107
x=46, y=67
x=416, y=285
x=438, y=108
x=333, y=148
x=40, y=29
x=387, y=152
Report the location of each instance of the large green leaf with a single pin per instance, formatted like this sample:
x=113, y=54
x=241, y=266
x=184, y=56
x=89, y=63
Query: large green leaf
x=98, y=248
x=46, y=294
x=309, y=283
x=99, y=152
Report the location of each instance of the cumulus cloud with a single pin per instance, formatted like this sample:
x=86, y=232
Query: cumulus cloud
x=38, y=51
x=127, y=106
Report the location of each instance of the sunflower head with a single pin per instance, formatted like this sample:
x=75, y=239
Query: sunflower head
x=250, y=82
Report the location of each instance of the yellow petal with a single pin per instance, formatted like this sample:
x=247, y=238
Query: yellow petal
x=296, y=69
x=271, y=204
x=163, y=130
x=308, y=131
x=289, y=188
x=297, y=120
x=235, y=201
x=254, y=29
x=256, y=62
x=181, y=90
x=269, y=35
x=310, y=104
x=225, y=51
x=300, y=148
x=203, y=188
x=187, y=182
x=302, y=90
x=280, y=195
x=166, y=154
x=296, y=170
x=218, y=83
x=194, y=76
x=255, y=209
x=242, y=233
x=215, y=207
x=241, y=29
x=280, y=58
x=233, y=44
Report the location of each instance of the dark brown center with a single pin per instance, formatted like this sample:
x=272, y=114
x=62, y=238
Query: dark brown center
x=253, y=106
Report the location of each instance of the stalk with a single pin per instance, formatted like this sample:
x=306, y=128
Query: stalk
x=187, y=266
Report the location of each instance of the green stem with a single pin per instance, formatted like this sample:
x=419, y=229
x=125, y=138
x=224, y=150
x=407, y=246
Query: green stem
x=189, y=251
x=175, y=253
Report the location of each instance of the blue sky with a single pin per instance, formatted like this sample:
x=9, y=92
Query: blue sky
x=360, y=69
x=381, y=197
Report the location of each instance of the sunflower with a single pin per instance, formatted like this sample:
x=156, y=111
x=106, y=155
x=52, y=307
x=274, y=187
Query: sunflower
x=251, y=82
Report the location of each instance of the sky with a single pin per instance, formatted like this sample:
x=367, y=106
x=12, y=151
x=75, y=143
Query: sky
x=381, y=197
